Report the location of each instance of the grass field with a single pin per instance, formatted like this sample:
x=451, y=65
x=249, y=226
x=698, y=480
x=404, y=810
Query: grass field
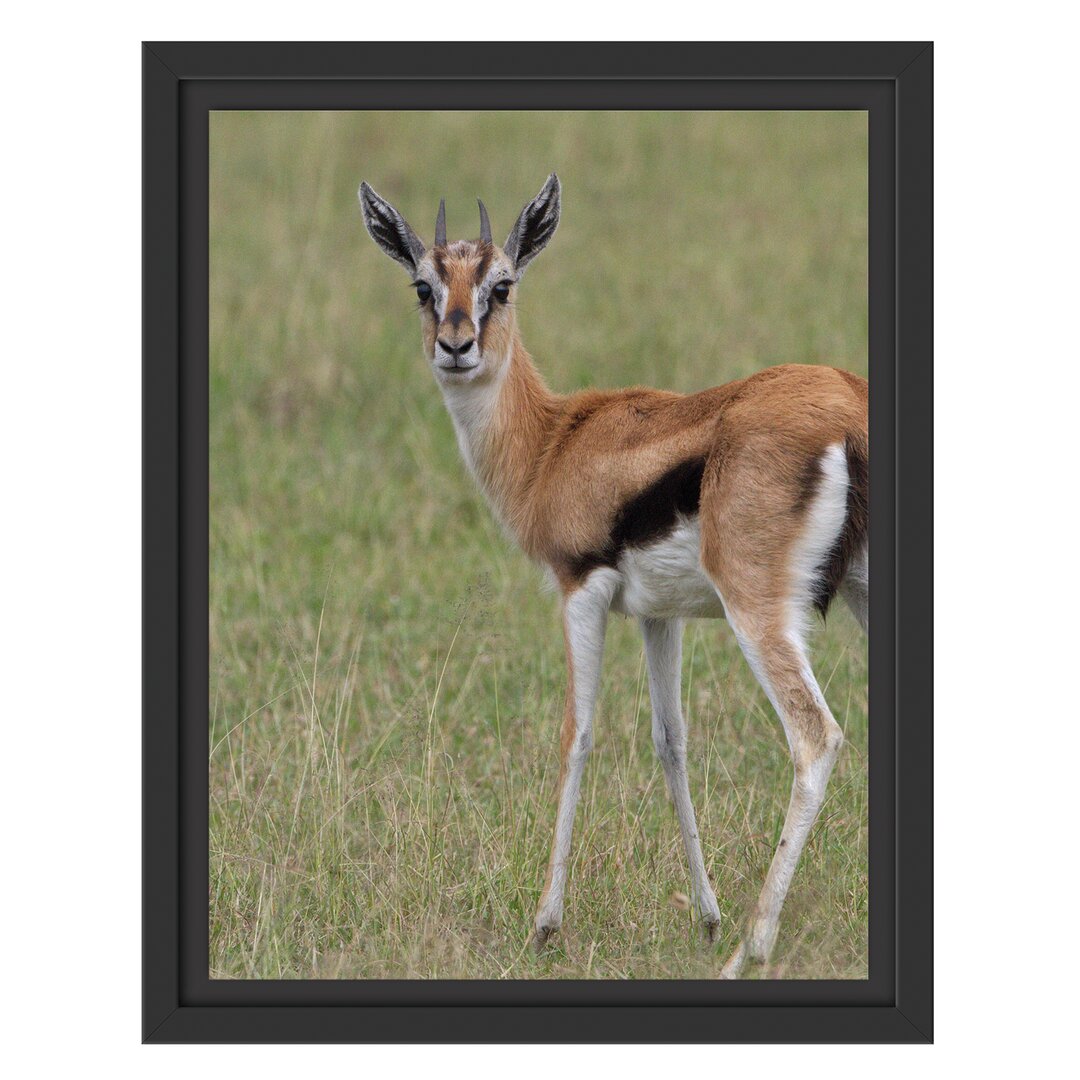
x=386, y=670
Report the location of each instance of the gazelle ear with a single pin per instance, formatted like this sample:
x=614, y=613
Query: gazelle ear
x=390, y=230
x=536, y=225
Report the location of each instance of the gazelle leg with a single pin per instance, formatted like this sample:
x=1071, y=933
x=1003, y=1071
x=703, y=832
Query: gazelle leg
x=663, y=655
x=780, y=663
x=584, y=623
x=770, y=526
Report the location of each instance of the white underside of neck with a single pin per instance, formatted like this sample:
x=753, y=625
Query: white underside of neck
x=472, y=408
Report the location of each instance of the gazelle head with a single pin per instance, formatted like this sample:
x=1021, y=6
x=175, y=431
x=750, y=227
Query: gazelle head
x=466, y=288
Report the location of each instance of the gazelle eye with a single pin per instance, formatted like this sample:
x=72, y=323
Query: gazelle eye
x=423, y=291
x=501, y=292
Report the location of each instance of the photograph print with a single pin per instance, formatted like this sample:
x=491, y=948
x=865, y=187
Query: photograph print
x=539, y=545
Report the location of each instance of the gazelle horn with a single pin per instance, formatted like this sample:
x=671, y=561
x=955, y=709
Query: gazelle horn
x=440, y=225
x=485, y=224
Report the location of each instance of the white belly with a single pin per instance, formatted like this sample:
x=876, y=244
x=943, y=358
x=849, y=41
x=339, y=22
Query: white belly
x=665, y=579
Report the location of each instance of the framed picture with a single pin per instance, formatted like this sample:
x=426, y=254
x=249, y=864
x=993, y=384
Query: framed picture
x=528, y=459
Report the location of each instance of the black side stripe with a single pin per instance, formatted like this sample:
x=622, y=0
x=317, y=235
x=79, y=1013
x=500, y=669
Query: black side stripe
x=648, y=516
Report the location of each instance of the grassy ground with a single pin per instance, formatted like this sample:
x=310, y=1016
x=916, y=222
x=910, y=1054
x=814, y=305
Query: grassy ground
x=386, y=672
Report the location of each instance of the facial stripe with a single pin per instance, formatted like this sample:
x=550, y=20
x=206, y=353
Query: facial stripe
x=482, y=329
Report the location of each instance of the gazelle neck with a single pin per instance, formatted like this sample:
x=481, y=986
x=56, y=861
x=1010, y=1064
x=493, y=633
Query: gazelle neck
x=502, y=426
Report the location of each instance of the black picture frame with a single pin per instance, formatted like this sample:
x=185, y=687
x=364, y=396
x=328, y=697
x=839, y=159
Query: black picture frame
x=181, y=83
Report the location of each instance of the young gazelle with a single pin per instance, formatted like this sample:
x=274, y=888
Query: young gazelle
x=747, y=501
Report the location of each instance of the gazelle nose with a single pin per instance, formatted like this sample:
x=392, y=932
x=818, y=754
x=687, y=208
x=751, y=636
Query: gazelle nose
x=457, y=350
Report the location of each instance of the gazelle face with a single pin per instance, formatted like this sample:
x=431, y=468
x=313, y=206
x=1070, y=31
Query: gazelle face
x=465, y=289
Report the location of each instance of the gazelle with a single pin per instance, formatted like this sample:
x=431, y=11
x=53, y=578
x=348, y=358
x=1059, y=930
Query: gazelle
x=747, y=501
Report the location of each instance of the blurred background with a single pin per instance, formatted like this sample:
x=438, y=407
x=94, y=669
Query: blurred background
x=384, y=721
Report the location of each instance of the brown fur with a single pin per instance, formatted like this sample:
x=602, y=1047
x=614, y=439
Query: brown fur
x=753, y=493
x=559, y=468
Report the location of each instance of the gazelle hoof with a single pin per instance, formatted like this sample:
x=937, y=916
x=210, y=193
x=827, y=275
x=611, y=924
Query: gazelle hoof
x=710, y=928
x=541, y=937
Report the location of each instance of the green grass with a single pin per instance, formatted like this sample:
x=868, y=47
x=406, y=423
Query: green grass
x=386, y=670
